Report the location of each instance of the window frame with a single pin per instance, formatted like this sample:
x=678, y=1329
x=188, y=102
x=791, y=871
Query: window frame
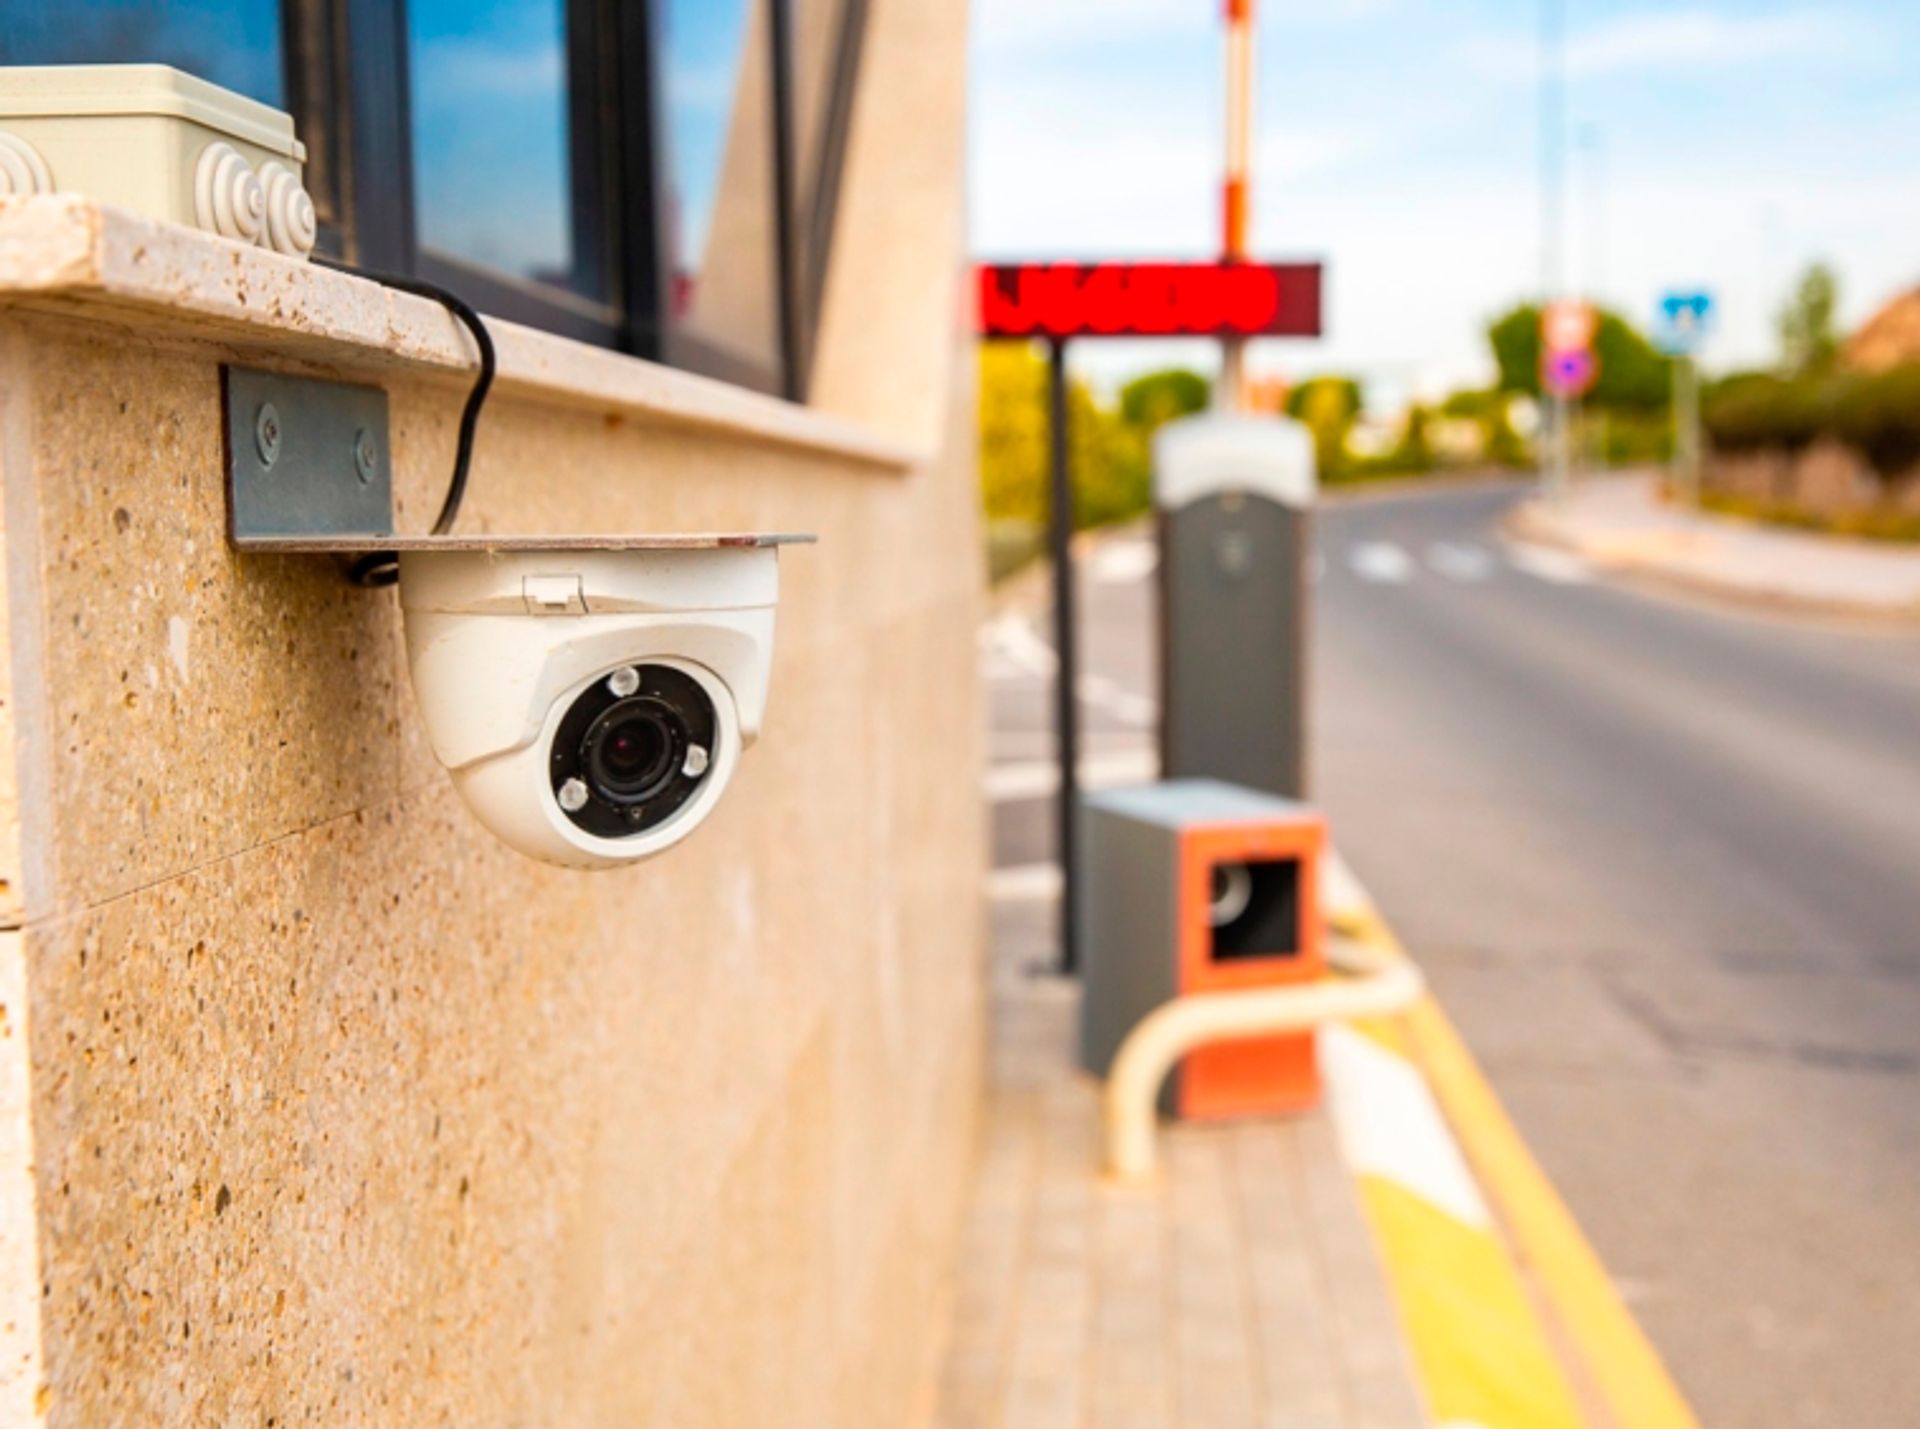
x=348, y=87
x=811, y=216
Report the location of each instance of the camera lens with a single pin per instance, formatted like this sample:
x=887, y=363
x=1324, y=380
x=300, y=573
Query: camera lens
x=1229, y=893
x=633, y=749
x=630, y=750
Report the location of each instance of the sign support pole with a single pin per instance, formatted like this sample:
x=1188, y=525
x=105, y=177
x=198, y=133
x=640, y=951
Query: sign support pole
x=1067, y=665
x=1686, y=429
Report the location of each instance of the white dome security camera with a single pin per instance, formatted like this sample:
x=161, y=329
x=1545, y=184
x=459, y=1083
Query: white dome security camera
x=590, y=704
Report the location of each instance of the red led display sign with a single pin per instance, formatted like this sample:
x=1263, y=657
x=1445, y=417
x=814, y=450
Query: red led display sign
x=1061, y=300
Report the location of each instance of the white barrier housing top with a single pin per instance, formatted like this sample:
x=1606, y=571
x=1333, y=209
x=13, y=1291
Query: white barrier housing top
x=1196, y=457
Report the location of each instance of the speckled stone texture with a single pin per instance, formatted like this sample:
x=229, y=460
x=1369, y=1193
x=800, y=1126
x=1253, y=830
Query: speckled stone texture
x=317, y=1104
x=345, y=1112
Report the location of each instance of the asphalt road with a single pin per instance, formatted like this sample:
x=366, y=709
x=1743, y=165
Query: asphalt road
x=1662, y=863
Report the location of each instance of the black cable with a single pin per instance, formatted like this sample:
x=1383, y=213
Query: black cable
x=382, y=568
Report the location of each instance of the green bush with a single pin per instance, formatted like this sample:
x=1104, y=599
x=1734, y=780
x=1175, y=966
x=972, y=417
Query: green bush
x=1011, y=543
x=1878, y=415
x=1756, y=410
x=1329, y=405
x=1110, y=455
x=1624, y=437
x=1872, y=523
x=1159, y=397
x=1875, y=413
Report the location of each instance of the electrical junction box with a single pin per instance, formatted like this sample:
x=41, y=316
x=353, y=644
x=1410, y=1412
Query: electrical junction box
x=1235, y=500
x=1195, y=886
x=154, y=140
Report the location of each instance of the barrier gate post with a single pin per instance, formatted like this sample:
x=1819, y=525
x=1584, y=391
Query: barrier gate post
x=1235, y=499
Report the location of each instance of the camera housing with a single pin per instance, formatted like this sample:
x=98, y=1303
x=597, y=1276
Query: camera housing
x=591, y=704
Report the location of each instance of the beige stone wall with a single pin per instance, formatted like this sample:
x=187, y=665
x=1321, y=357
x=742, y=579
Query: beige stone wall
x=1828, y=478
x=319, y=1105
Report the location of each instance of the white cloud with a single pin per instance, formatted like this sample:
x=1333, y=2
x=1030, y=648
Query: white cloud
x=1418, y=184
x=1040, y=24
x=1085, y=167
x=1676, y=39
x=709, y=88
x=1283, y=152
x=469, y=65
x=1001, y=26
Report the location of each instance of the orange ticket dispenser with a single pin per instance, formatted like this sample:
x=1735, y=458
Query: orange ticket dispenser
x=1196, y=886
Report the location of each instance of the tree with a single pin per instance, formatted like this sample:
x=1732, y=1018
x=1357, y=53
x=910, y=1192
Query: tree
x=1491, y=409
x=1328, y=406
x=1808, y=342
x=1633, y=373
x=1514, y=337
x=1414, y=451
x=1106, y=459
x=1158, y=397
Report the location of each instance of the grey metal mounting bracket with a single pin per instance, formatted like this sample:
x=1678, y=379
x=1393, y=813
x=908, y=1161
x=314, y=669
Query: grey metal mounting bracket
x=309, y=470
x=306, y=457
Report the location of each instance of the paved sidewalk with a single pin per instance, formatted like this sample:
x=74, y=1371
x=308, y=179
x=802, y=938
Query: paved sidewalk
x=1243, y=1290
x=1619, y=523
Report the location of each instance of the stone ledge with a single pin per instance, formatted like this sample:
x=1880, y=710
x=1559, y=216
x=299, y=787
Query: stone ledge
x=68, y=254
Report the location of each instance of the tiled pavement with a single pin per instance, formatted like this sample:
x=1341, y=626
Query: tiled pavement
x=1244, y=1290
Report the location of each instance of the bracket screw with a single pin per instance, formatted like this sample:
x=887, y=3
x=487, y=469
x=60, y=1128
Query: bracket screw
x=266, y=433
x=573, y=795
x=366, y=456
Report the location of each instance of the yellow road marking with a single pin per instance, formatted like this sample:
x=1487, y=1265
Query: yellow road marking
x=1625, y=1367
x=1482, y=1353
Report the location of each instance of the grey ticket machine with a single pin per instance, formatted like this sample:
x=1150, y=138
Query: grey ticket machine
x=1235, y=499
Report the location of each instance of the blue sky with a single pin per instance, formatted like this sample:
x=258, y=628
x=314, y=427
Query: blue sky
x=1720, y=145
x=490, y=116
x=235, y=43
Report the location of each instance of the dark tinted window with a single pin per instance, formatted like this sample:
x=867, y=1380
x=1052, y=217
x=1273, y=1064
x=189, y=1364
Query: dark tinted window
x=234, y=43
x=657, y=175
x=492, y=173
x=721, y=226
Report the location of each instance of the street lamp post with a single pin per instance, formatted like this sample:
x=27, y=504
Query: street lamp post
x=1556, y=473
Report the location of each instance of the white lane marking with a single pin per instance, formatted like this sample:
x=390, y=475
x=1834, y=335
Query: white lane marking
x=1559, y=567
x=1459, y=563
x=1014, y=651
x=1382, y=562
x=1124, y=562
x=1342, y=894
x=1391, y=1127
x=1125, y=706
x=1023, y=882
x=1032, y=778
x=1013, y=638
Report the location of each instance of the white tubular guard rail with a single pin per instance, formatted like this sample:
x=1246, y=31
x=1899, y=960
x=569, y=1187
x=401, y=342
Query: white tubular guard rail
x=1382, y=983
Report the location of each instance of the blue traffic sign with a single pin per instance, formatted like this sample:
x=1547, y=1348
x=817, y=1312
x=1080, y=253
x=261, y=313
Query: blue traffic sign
x=1683, y=322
